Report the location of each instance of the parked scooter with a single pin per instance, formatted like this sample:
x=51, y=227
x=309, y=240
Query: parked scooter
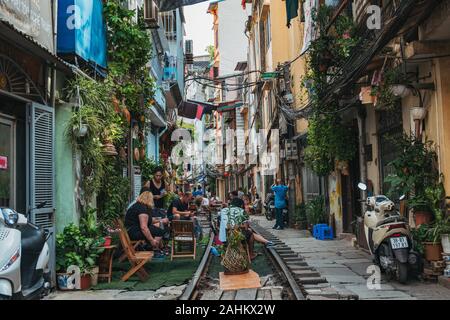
x=389, y=238
x=269, y=207
x=24, y=256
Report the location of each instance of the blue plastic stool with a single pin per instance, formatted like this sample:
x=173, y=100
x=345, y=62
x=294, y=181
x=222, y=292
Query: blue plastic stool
x=325, y=233
x=316, y=229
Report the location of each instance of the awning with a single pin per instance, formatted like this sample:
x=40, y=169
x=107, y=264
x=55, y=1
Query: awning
x=156, y=118
x=229, y=107
x=208, y=108
x=188, y=110
x=173, y=96
x=168, y=5
x=27, y=43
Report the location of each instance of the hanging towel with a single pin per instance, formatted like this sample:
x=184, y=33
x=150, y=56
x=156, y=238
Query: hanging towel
x=291, y=10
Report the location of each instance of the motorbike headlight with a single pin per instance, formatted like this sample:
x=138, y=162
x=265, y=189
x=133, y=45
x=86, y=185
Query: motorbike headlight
x=10, y=216
x=11, y=261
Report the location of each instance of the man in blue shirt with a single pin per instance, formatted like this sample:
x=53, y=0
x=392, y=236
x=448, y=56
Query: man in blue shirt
x=280, y=192
x=198, y=191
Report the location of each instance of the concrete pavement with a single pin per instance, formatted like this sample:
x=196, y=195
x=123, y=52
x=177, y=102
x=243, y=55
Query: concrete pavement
x=346, y=267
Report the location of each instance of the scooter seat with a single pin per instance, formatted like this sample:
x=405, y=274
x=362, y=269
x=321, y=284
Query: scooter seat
x=33, y=239
x=392, y=219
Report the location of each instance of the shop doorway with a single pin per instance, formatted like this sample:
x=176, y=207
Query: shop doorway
x=351, y=208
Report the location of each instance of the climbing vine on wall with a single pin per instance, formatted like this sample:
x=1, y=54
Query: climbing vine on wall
x=105, y=108
x=329, y=140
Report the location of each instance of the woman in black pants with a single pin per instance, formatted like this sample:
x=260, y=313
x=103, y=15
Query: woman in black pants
x=141, y=225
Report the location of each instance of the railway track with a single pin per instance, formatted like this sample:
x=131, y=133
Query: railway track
x=294, y=279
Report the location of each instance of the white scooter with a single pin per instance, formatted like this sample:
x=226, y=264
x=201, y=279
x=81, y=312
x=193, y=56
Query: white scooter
x=389, y=238
x=24, y=256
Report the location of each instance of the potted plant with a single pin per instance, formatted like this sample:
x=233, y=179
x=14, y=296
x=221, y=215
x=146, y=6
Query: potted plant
x=315, y=211
x=414, y=172
x=432, y=245
x=236, y=258
x=440, y=226
x=300, y=221
x=73, y=248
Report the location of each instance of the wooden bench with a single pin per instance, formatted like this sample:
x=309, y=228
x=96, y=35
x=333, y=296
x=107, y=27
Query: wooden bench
x=137, y=259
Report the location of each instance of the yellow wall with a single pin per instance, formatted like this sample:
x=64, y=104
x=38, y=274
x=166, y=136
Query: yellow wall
x=438, y=120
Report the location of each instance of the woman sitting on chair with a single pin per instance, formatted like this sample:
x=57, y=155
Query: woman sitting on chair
x=141, y=225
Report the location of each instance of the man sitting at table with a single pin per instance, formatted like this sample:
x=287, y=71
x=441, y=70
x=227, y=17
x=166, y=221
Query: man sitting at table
x=179, y=210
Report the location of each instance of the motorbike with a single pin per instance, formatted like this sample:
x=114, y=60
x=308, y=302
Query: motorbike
x=269, y=207
x=24, y=256
x=389, y=238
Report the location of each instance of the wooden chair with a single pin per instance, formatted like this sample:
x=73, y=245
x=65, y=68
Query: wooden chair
x=137, y=259
x=135, y=244
x=183, y=232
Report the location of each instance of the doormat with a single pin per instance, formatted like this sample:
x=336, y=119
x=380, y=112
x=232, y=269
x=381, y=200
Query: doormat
x=248, y=280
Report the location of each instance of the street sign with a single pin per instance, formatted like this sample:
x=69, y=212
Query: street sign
x=3, y=162
x=269, y=75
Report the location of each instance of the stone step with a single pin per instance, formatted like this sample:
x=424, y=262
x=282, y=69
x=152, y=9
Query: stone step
x=311, y=280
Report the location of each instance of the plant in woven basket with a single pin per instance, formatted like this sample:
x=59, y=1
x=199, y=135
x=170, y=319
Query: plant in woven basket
x=235, y=259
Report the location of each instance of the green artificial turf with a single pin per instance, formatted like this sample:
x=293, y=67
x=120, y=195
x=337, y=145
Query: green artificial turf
x=163, y=273
x=260, y=264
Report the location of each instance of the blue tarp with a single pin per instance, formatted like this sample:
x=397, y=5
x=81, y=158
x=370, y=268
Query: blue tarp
x=82, y=30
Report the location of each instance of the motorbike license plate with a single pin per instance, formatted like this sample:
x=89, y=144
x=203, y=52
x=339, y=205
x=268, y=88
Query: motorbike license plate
x=399, y=243
x=272, y=207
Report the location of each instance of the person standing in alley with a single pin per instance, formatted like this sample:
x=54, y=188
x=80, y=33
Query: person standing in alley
x=280, y=191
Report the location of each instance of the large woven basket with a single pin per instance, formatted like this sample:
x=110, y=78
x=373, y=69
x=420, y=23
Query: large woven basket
x=235, y=260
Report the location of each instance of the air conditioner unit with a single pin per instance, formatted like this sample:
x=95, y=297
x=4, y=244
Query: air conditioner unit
x=151, y=14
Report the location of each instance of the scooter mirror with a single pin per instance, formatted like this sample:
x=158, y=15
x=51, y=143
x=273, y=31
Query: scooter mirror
x=362, y=186
x=402, y=197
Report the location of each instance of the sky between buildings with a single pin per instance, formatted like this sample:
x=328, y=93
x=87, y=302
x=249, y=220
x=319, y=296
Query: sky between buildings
x=199, y=26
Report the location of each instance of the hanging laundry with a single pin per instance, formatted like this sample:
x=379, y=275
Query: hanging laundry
x=291, y=10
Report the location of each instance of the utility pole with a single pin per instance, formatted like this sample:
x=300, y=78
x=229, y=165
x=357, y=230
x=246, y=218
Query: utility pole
x=290, y=160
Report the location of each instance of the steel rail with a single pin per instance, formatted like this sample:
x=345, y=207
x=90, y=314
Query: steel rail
x=190, y=290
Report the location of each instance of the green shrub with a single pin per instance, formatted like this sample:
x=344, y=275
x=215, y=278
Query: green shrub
x=315, y=211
